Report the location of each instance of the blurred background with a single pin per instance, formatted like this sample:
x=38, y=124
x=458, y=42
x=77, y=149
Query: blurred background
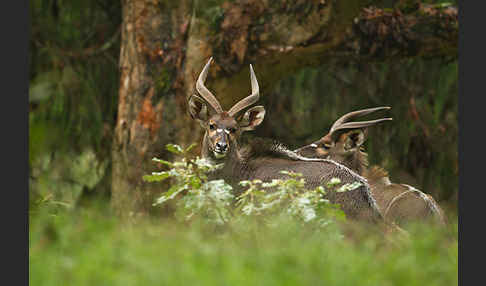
x=74, y=88
x=108, y=88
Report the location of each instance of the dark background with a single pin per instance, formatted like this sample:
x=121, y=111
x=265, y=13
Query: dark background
x=74, y=50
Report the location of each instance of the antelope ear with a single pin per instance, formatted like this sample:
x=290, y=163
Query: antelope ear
x=354, y=139
x=252, y=118
x=198, y=108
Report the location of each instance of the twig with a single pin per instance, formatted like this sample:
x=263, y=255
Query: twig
x=91, y=51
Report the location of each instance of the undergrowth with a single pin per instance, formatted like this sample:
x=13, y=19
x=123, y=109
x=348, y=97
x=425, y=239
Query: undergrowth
x=89, y=247
x=215, y=202
x=274, y=233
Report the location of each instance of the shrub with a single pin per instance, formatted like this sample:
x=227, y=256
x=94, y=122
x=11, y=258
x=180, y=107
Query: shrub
x=214, y=202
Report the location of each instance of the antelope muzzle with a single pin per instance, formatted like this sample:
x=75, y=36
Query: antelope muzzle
x=220, y=142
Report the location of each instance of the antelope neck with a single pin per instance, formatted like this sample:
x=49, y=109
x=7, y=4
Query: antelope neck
x=359, y=162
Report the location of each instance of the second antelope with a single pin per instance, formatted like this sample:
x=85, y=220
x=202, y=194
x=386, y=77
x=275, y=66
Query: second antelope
x=261, y=159
x=399, y=203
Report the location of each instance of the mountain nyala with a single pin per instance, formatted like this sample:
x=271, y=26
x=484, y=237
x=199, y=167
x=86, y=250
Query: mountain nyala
x=398, y=203
x=264, y=159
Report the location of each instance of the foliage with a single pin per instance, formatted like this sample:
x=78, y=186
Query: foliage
x=214, y=202
x=90, y=247
x=73, y=88
x=74, y=69
x=54, y=183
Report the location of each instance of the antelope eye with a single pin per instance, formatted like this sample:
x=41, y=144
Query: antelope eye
x=325, y=146
x=212, y=127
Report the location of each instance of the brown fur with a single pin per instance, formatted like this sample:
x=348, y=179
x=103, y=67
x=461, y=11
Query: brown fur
x=264, y=159
x=398, y=203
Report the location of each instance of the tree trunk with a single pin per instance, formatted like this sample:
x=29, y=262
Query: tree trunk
x=151, y=103
x=164, y=47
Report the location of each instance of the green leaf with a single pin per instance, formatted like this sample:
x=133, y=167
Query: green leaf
x=291, y=174
x=273, y=183
x=195, y=182
x=190, y=147
x=170, y=194
x=156, y=177
x=348, y=187
x=173, y=148
x=333, y=182
x=244, y=183
x=169, y=164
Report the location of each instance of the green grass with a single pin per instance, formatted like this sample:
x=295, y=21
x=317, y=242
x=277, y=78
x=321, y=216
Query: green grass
x=86, y=247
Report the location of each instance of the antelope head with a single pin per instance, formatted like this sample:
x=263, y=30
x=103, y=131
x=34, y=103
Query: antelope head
x=344, y=140
x=223, y=128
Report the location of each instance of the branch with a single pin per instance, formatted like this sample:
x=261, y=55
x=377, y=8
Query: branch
x=87, y=52
x=378, y=34
x=281, y=38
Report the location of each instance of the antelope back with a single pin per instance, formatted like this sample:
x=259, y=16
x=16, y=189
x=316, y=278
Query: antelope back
x=411, y=205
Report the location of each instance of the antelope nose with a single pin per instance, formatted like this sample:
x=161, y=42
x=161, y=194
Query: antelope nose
x=221, y=146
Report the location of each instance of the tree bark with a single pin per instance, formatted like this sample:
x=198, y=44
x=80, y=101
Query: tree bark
x=151, y=106
x=164, y=47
